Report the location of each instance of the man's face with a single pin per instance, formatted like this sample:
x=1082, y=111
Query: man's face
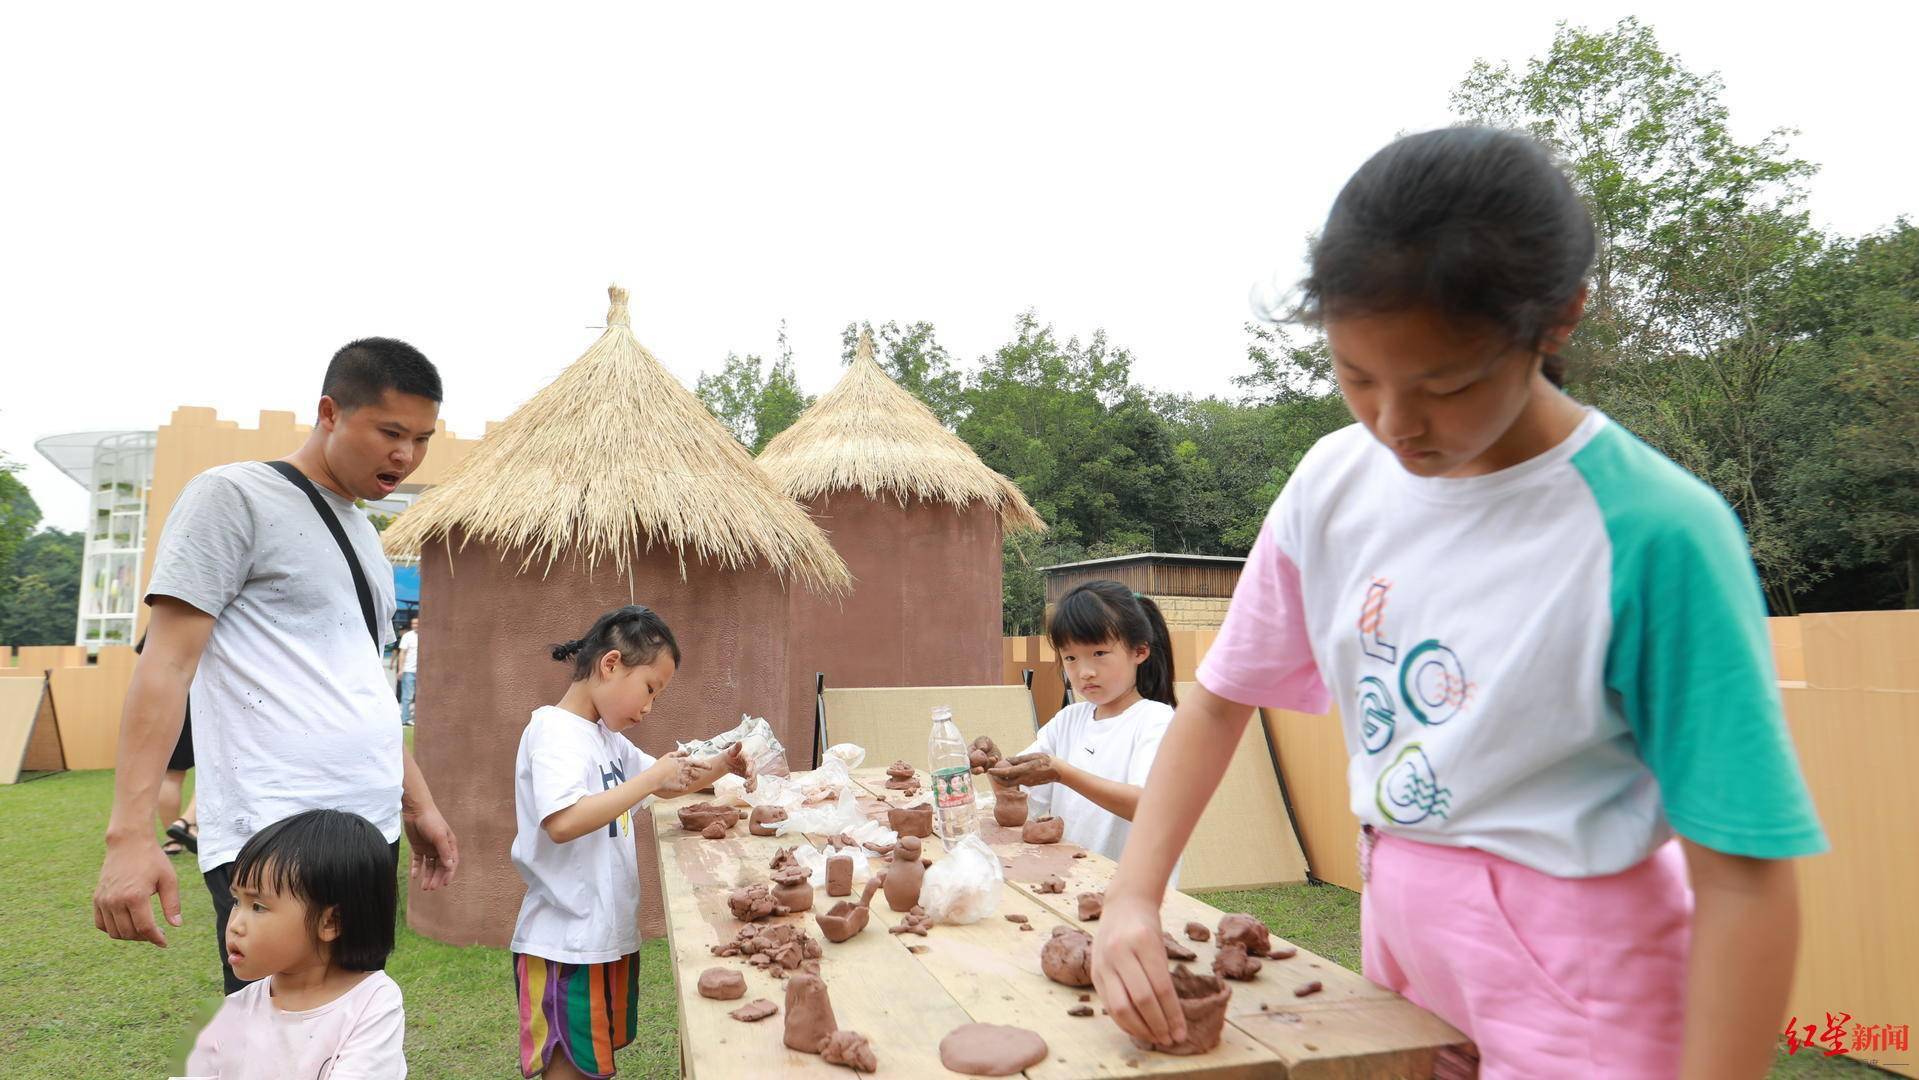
x=371, y=449
x=413, y=624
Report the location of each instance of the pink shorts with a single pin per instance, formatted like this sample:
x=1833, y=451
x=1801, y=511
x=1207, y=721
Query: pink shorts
x=1549, y=976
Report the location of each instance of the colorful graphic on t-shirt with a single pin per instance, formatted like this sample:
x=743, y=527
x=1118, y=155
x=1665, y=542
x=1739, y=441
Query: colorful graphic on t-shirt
x=1433, y=686
x=611, y=776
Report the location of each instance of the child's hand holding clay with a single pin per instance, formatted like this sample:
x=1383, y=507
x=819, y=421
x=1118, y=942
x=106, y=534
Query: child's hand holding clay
x=1026, y=770
x=674, y=775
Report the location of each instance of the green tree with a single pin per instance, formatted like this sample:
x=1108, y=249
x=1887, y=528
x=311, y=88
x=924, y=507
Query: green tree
x=1700, y=239
x=914, y=358
x=755, y=401
x=42, y=591
x=18, y=513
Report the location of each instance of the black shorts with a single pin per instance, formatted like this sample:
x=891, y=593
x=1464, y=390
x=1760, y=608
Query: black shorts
x=182, y=758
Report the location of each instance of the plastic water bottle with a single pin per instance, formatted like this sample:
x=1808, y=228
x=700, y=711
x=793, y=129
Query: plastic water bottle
x=955, y=813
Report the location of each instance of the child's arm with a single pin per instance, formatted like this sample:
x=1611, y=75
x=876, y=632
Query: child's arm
x=670, y=775
x=1745, y=937
x=1129, y=958
x=1030, y=770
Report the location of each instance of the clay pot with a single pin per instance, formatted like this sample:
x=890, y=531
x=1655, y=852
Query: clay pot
x=843, y=921
x=762, y=820
x=911, y=820
x=1203, y=998
x=809, y=1013
x=904, y=875
x=1045, y=830
x=791, y=889
x=839, y=875
x=697, y=816
x=1009, y=807
x=1067, y=957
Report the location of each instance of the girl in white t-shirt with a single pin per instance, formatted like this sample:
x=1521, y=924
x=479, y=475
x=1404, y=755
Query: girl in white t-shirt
x=1089, y=764
x=314, y=898
x=576, y=782
x=1547, y=645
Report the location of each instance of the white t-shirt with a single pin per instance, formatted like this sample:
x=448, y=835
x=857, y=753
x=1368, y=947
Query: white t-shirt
x=1120, y=749
x=582, y=901
x=356, y=1036
x=1557, y=663
x=291, y=708
x=410, y=652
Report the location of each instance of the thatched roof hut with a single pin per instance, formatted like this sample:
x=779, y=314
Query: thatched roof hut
x=919, y=519
x=612, y=485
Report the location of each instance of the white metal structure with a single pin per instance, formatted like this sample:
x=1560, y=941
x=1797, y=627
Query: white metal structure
x=116, y=468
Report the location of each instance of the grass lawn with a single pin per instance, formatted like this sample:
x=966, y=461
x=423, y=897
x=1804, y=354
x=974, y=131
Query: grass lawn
x=82, y=1005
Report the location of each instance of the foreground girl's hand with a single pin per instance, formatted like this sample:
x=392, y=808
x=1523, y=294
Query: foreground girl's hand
x=674, y=774
x=1027, y=770
x=1130, y=973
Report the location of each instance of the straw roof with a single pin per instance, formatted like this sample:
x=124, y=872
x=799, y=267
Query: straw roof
x=614, y=457
x=869, y=434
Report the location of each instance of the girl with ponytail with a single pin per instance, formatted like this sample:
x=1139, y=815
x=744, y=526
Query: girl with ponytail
x=576, y=782
x=1089, y=764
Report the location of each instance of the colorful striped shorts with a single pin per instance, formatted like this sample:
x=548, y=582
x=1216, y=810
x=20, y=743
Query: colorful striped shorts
x=588, y=1009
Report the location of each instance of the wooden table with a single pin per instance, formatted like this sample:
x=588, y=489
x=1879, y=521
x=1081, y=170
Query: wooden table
x=988, y=972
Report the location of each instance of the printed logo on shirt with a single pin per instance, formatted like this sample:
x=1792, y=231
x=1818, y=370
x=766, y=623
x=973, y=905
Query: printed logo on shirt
x=611, y=777
x=1432, y=686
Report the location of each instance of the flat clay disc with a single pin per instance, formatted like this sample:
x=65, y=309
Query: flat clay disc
x=991, y=1049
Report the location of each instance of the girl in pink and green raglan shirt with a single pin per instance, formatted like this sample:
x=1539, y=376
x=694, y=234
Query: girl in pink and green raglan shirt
x=1548, y=650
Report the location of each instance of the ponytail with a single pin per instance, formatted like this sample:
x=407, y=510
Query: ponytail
x=635, y=630
x=1100, y=611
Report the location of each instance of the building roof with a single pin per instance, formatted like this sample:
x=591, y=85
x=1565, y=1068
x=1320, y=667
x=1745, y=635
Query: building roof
x=869, y=434
x=614, y=457
x=73, y=453
x=1153, y=556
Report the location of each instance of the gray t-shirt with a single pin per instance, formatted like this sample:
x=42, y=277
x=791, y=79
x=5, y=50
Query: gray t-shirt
x=291, y=709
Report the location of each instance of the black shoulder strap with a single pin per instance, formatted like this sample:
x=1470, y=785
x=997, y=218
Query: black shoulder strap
x=299, y=479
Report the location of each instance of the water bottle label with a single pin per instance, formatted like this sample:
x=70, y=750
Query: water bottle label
x=953, y=787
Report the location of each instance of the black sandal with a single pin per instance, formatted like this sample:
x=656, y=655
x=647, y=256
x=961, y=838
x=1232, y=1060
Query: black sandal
x=185, y=833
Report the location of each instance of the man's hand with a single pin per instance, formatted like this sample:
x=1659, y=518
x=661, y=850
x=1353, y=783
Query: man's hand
x=1026, y=770
x=436, y=854
x=133, y=872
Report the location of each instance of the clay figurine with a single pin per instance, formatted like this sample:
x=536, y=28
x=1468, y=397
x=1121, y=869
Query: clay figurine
x=1009, y=808
x=1243, y=929
x=755, y=1010
x=900, y=775
x=697, y=816
x=843, y=840
x=763, y=818
x=714, y=831
x=915, y=922
x=753, y=902
x=1176, y=951
x=991, y=1049
x=1066, y=958
x=1233, y=962
x=1090, y=905
x=878, y=849
x=1198, y=932
x=809, y=1014
x=722, y=984
x=1203, y=998
x=847, y=918
x=1044, y=830
x=784, y=857
x=791, y=888
x=839, y=875
x=849, y=1048
x=1053, y=884
x=911, y=820
x=904, y=875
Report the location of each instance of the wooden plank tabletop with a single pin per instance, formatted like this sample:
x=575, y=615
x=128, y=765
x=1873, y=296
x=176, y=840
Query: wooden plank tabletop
x=988, y=972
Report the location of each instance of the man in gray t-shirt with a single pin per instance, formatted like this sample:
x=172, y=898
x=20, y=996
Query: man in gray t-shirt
x=254, y=608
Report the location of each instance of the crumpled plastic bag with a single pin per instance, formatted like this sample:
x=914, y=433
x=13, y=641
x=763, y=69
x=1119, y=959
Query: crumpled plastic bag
x=964, y=886
x=823, y=800
x=764, y=754
x=851, y=755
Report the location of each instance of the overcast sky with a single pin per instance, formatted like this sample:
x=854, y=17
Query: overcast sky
x=201, y=203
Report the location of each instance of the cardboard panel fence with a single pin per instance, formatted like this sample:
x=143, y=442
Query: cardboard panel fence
x=1245, y=839
x=29, y=730
x=893, y=722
